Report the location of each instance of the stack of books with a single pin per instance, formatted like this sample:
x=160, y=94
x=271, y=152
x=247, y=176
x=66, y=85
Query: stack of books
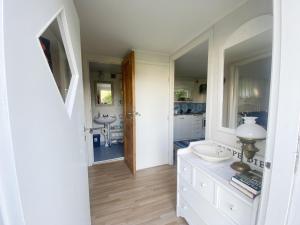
x=249, y=182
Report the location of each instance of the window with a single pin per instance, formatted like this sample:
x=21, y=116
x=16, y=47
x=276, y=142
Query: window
x=104, y=94
x=182, y=94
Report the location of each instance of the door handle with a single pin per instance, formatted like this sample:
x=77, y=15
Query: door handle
x=133, y=114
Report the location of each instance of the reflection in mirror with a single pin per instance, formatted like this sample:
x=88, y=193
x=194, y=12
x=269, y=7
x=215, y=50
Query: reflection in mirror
x=247, y=72
x=54, y=49
x=104, y=95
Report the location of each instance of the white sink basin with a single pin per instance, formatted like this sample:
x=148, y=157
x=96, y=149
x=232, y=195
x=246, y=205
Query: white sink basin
x=211, y=152
x=104, y=119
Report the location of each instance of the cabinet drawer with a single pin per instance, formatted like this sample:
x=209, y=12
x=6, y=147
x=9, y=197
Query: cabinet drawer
x=189, y=214
x=235, y=208
x=198, y=130
x=186, y=171
x=198, y=121
x=197, y=125
x=185, y=189
x=204, y=185
x=197, y=116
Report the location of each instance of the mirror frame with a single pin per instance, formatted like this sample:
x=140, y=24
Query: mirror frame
x=61, y=18
x=112, y=93
x=246, y=31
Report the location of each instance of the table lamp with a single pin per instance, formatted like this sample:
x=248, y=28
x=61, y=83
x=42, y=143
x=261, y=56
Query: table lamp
x=248, y=133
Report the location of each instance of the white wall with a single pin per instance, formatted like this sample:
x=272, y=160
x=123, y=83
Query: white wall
x=283, y=202
x=222, y=31
x=152, y=102
x=262, y=70
x=11, y=211
x=48, y=142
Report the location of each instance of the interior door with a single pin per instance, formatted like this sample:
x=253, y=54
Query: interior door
x=128, y=74
x=46, y=146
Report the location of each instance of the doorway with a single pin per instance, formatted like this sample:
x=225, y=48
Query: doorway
x=107, y=111
x=109, y=92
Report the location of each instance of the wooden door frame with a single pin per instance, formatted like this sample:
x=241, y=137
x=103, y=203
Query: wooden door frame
x=87, y=59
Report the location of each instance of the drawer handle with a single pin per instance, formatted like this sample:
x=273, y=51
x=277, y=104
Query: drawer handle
x=231, y=207
x=184, y=189
x=185, y=168
x=202, y=185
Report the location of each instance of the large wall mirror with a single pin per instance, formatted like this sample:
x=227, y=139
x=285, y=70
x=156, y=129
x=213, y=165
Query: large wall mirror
x=246, y=80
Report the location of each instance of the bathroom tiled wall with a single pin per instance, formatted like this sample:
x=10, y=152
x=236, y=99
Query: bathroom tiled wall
x=189, y=107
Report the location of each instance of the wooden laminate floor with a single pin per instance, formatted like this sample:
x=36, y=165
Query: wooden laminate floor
x=117, y=198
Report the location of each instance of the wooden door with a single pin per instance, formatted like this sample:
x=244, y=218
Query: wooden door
x=128, y=74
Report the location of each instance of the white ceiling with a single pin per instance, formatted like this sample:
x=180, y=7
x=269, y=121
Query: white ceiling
x=193, y=63
x=109, y=68
x=112, y=27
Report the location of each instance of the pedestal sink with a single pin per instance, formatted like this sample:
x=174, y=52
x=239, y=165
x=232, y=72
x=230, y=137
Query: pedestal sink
x=105, y=120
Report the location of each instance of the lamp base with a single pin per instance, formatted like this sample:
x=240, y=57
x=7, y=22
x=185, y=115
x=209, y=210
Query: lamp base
x=240, y=167
x=248, y=146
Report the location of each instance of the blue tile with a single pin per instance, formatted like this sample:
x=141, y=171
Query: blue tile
x=102, y=153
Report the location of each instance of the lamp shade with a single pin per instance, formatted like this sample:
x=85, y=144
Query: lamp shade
x=250, y=130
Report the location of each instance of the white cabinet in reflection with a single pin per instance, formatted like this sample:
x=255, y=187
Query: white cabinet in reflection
x=188, y=127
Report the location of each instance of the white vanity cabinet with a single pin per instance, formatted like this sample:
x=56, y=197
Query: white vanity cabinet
x=188, y=127
x=205, y=197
